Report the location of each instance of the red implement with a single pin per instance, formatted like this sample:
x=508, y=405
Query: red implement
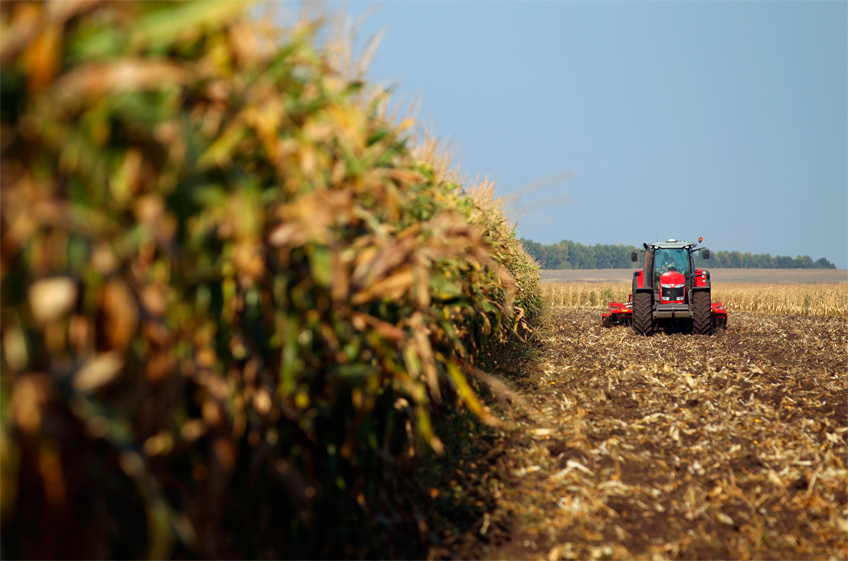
x=618, y=314
x=622, y=314
x=718, y=315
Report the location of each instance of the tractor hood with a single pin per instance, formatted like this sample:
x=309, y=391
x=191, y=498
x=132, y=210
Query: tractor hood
x=672, y=287
x=672, y=278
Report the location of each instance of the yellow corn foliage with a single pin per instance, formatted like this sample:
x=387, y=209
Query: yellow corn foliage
x=584, y=294
x=820, y=299
x=232, y=296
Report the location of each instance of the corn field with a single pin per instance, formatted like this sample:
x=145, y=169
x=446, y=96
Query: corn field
x=233, y=299
x=818, y=299
x=584, y=294
x=791, y=299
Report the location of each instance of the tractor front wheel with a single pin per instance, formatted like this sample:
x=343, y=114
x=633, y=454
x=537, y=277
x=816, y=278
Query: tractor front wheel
x=701, y=321
x=643, y=313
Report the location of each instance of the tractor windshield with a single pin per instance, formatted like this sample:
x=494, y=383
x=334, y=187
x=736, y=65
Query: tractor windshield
x=671, y=260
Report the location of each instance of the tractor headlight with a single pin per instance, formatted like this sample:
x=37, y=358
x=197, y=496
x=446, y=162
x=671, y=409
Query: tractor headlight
x=672, y=292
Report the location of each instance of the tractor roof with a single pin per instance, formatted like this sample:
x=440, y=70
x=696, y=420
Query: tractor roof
x=672, y=244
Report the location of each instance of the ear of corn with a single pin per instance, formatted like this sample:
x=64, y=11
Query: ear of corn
x=230, y=294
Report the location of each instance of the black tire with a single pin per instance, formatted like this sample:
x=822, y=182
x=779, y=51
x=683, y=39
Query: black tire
x=643, y=313
x=605, y=322
x=701, y=321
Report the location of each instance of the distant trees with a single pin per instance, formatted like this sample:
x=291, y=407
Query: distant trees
x=736, y=260
x=571, y=255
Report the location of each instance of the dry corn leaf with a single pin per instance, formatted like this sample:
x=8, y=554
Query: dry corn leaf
x=50, y=299
x=98, y=372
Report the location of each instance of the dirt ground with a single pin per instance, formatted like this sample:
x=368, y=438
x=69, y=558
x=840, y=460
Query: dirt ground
x=675, y=446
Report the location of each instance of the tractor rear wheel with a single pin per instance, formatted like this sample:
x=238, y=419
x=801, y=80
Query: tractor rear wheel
x=701, y=321
x=643, y=313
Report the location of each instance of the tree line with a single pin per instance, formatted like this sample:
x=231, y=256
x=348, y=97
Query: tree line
x=572, y=255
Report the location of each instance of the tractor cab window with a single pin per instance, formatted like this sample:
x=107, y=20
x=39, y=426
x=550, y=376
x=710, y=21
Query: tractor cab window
x=671, y=260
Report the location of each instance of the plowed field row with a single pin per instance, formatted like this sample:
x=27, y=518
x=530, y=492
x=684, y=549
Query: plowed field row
x=674, y=446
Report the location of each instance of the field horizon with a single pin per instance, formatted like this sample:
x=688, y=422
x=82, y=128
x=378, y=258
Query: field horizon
x=777, y=276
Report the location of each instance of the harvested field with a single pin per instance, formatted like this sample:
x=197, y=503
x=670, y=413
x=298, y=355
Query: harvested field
x=722, y=275
x=819, y=299
x=673, y=446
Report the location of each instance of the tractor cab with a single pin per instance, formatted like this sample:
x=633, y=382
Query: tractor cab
x=672, y=270
x=669, y=265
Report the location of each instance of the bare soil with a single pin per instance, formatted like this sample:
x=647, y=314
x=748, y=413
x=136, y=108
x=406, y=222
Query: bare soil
x=721, y=275
x=618, y=446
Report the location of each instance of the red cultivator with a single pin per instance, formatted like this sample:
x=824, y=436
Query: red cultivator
x=622, y=314
x=669, y=292
x=618, y=314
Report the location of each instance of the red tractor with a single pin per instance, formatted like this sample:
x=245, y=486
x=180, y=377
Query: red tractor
x=669, y=292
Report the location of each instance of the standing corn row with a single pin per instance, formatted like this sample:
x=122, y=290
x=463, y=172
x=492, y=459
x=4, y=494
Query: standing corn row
x=582, y=295
x=796, y=299
x=229, y=293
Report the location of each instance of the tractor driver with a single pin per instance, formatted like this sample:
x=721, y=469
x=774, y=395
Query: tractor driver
x=668, y=262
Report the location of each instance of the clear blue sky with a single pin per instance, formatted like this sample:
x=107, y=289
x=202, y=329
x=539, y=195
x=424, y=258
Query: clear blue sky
x=727, y=120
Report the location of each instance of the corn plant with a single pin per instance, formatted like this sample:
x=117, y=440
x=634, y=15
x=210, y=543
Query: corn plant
x=230, y=294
